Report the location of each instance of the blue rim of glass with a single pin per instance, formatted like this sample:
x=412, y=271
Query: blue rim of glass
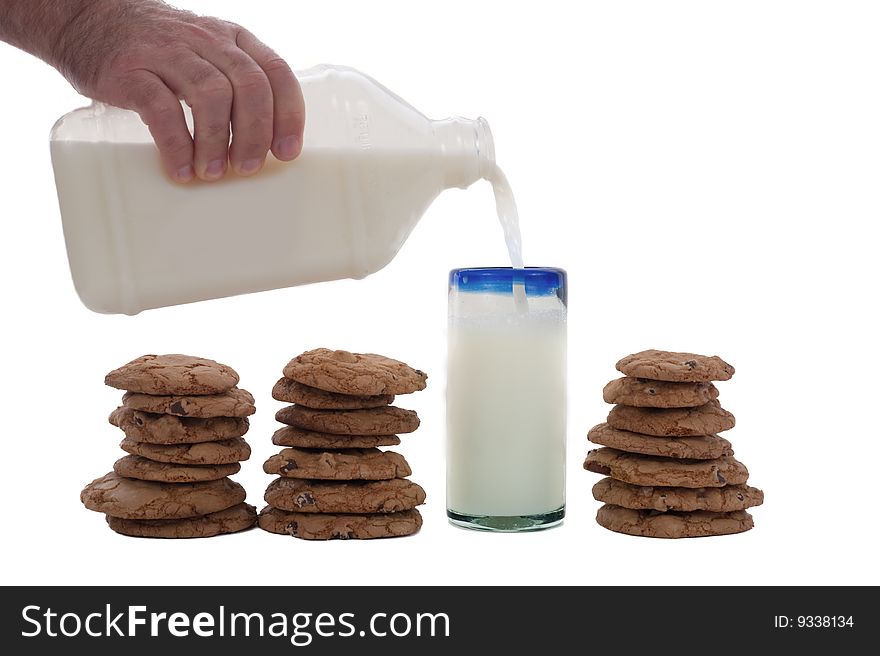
x=538, y=281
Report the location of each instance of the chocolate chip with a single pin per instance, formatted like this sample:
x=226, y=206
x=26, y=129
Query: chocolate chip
x=304, y=499
x=598, y=469
x=691, y=364
x=740, y=496
x=177, y=408
x=720, y=478
x=291, y=465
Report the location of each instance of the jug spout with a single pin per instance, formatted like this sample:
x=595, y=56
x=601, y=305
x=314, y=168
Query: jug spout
x=467, y=150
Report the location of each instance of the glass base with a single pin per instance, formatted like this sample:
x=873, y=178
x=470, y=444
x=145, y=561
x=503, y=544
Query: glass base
x=507, y=524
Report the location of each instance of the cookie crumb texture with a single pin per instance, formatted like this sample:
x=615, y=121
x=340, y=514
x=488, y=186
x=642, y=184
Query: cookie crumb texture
x=358, y=374
x=674, y=366
x=145, y=469
x=128, y=498
x=673, y=472
x=700, y=447
x=168, y=429
x=387, y=420
x=714, y=499
x=333, y=482
x=184, y=420
x=311, y=397
x=347, y=465
x=653, y=524
x=388, y=496
x=668, y=474
x=173, y=374
x=644, y=393
x=317, y=526
x=233, y=403
x=205, y=453
x=680, y=422
x=306, y=439
x=232, y=520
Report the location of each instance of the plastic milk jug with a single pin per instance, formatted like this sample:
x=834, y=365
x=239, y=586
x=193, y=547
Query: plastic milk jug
x=371, y=165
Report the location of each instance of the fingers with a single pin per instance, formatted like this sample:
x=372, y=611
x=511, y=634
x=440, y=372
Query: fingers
x=288, y=105
x=228, y=77
x=210, y=94
x=252, y=108
x=159, y=108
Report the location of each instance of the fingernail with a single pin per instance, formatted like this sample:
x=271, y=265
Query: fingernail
x=215, y=169
x=250, y=166
x=185, y=173
x=289, y=147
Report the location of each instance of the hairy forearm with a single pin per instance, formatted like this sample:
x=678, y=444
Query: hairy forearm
x=37, y=26
x=66, y=32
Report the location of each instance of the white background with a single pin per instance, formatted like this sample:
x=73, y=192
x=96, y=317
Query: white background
x=707, y=172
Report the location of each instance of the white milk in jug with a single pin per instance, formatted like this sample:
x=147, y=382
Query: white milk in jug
x=370, y=167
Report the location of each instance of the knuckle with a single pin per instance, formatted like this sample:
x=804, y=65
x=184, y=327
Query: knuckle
x=128, y=59
x=171, y=142
x=199, y=75
x=214, y=85
x=253, y=82
x=258, y=131
x=213, y=131
x=235, y=60
x=196, y=30
x=226, y=26
x=160, y=112
x=177, y=55
x=213, y=30
x=154, y=104
x=275, y=65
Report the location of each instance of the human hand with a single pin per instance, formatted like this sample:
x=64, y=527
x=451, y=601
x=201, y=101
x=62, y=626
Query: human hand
x=144, y=55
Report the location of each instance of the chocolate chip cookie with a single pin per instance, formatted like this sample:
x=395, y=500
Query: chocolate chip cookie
x=317, y=526
x=644, y=393
x=149, y=470
x=351, y=464
x=234, y=403
x=360, y=374
x=702, y=447
x=311, y=397
x=681, y=422
x=675, y=367
x=128, y=498
x=292, y=436
x=653, y=524
x=357, y=497
x=387, y=420
x=173, y=374
x=232, y=520
x=714, y=499
x=648, y=470
x=205, y=453
x=169, y=429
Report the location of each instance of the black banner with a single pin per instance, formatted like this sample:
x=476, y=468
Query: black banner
x=434, y=620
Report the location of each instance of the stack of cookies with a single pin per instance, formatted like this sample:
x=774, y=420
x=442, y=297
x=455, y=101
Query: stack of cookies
x=333, y=482
x=184, y=421
x=669, y=473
